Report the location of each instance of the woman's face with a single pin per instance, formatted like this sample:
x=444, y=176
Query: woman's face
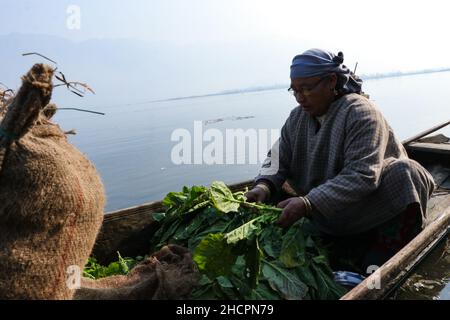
x=314, y=94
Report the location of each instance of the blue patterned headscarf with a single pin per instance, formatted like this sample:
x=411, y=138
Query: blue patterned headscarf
x=317, y=62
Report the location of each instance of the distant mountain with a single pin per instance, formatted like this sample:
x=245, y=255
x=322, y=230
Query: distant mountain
x=285, y=86
x=123, y=71
x=401, y=74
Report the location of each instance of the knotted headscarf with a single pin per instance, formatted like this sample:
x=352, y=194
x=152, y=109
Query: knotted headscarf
x=317, y=62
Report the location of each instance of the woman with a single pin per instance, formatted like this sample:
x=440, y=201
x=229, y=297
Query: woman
x=337, y=151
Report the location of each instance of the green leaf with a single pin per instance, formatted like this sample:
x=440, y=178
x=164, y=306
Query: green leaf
x=167, y=234
x=321, y=260
x=203, y=292
x=322, y=287
x=310, y=242
x=293, y=247
x=190, y=229
x=224, y=282
x=174, y=200
x=237, y=278
x=213, y=256
x=328, y=289
x=158, y=216
x=187, y=200
x=123, y=264
x=194, y=241
x=96, y=271
x=246, y=231
x=307, y=277
x=240, y=196
x=222, y=198
x=253, y=263
x=271, y=240
x=284, y=281
x=264, y=292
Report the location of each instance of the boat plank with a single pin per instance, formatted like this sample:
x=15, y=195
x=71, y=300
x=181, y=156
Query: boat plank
x=442, y=148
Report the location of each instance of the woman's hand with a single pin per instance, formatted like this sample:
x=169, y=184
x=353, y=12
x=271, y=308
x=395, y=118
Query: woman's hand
x=293, y=209
x=257, y=195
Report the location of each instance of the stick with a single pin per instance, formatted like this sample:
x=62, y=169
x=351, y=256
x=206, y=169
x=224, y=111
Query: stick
x=84, y=110
x=356, y=65
x=38, y=54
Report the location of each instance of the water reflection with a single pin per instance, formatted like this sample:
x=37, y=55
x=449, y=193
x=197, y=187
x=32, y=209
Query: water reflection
x=431, y=280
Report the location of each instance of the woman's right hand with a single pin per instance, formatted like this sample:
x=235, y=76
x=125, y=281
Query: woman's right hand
x=257, y=195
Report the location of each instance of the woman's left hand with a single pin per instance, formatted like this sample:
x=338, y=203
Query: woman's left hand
x=293, y=209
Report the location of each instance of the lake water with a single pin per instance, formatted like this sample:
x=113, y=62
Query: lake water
x=431, y=280
x=131, y=145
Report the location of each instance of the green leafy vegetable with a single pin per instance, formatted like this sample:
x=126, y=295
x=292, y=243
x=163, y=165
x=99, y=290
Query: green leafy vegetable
x=213, y=256
x=239, y=250
x=284, y=281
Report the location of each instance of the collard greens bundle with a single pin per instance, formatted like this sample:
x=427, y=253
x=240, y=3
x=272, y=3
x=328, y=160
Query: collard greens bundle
x=239, y=250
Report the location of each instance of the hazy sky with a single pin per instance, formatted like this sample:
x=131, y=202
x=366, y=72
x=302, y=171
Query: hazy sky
x=380, y=35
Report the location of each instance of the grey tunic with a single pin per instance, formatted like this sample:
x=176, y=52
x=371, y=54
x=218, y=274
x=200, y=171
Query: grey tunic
x=354, y=171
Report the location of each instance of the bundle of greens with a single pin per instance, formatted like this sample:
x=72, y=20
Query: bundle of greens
x=94, y=270
x=240, y=251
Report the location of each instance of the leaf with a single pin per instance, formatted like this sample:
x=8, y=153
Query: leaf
x=321, y=260
x=293, y=247
x=271, y=240
x=246, y=231
x=97, y=271
x=253, y=263
x=284, y=281
x=222, y=198
x=239, y=196
x=158, y=216
x=169, y=232
x=327, y=288
x=213, y=256
x=194, y=241
x=239, y=282
x=264, y=292
x=203, y=292
x=198, y=206
x=310, y=242
x=193, y=227
x=322, y=286
x=224, y=282
x=307, y=277
x=174, y=200
x=112, y=269
x=123, y=264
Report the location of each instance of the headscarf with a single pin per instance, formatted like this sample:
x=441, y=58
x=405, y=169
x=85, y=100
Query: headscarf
x=317, y=62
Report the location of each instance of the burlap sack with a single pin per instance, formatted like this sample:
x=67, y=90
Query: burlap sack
x=168, y=274
x=51, y=199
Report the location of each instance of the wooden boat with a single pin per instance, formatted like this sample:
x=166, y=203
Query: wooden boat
x=128, y=230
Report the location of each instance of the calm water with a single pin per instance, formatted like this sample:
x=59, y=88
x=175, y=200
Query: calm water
x=131, y=145
x=431, y=280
